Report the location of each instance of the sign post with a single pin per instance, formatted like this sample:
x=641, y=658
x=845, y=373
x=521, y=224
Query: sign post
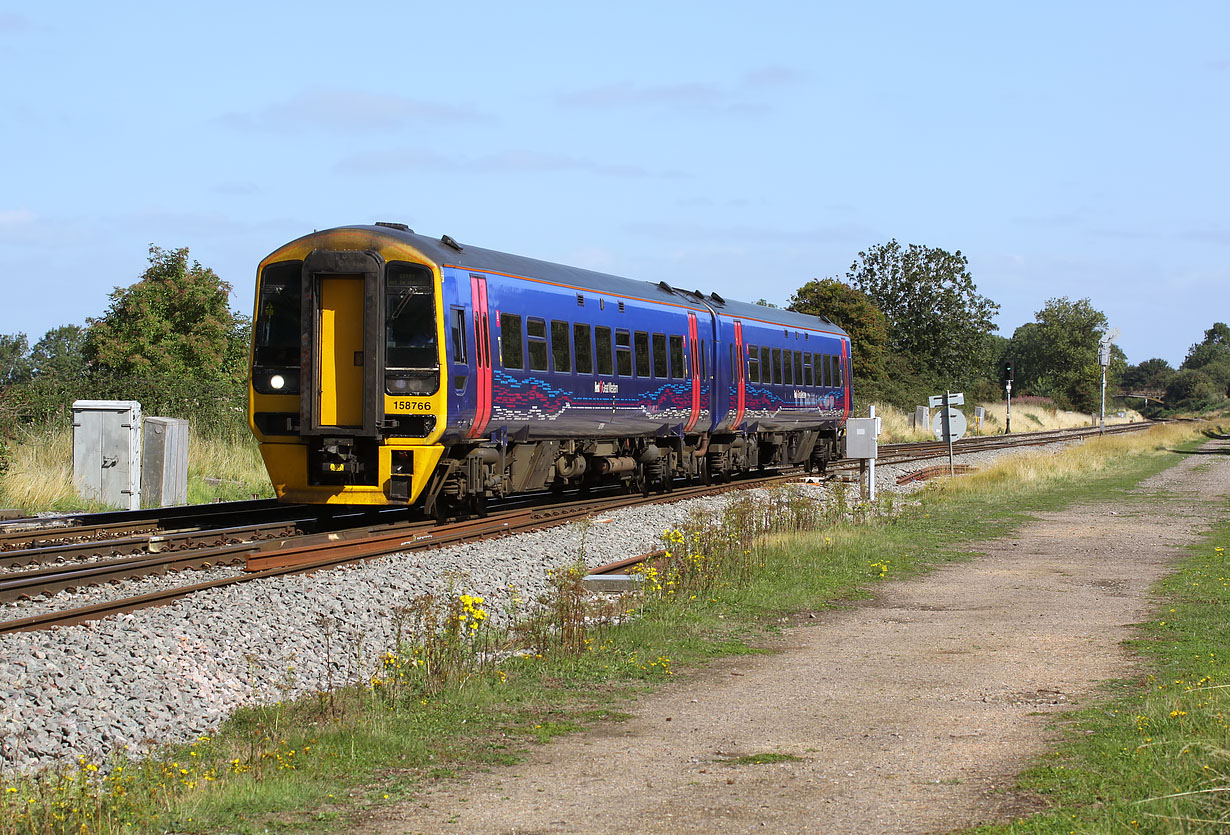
x=949, y=424
x=1104, y=360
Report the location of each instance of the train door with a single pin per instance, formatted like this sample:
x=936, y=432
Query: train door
x=482, y=355
x=342, y=335
x=739, y=375
x=693, y=371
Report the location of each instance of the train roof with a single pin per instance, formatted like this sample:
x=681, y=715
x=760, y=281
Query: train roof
x=447, y=252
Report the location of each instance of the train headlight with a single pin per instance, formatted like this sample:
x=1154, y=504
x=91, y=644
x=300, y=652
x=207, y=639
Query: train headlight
x=275, y=381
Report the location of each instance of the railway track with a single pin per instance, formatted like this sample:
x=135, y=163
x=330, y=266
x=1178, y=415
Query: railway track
x=278, y=546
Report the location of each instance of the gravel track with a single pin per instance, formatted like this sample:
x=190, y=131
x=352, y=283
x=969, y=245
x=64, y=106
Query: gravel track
x=170, y=674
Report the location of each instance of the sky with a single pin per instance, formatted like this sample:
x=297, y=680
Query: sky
x=1066, y=149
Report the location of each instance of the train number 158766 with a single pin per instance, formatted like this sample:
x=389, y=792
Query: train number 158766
x=412, y=405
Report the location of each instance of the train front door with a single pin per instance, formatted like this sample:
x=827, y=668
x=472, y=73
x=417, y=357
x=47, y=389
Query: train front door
x=340, y=337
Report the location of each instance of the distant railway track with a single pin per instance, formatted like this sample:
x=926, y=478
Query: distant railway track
x=278, y=545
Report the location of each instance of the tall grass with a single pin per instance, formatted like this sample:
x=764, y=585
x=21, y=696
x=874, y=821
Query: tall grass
x=39, y=477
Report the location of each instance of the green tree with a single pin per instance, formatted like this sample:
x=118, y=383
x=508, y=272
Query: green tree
x=1211, y=356
x=60, y=354
x=175, y=320
x=171, y=342
x=14, y=359
x=935, y=314
x=1057, y=355
x=854, y=312
x=1151, y=375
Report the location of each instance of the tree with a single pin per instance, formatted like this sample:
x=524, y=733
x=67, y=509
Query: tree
x=854, y=312
x=1151, y=375
x=14, y=359
x=1211, y=356
x=935, y=314
x=1057, y=356
x=60, y=354
x=174, y=321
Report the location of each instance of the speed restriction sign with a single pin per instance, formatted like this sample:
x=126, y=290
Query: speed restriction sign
x=956, y=424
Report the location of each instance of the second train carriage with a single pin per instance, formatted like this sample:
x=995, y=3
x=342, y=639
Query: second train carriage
x=392, y=368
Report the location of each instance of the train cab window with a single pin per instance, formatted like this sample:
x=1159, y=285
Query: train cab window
x=659, y=355
x=777, y=366
x=561, y=351
x=641, y=341
x=277, y=328
x=798, y=368
x=677, y=357
x=602, y=347
x=536, y=339
x=753, y=364
x=411, y=355
x=807, y=376
x=459, y=336
x=787, y=376
x=623, y=353
x=510, y=341
x=583, y=350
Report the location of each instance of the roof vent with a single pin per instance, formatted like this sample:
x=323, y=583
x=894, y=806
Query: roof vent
x=664, y=286
x=449, y=242
x=717, y=298
x=401, y=227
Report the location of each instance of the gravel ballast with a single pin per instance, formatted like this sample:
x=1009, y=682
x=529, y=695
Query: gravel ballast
x=170, y=674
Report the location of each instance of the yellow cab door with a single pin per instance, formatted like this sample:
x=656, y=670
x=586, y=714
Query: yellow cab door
x=341, y=336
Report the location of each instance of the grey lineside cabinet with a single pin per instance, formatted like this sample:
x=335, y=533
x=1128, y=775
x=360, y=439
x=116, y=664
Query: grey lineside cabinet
x=107, y=451
x=164, y=462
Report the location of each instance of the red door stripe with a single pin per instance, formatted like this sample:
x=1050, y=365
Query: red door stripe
x=482, y=356
x=694, y=368
x=740, y=380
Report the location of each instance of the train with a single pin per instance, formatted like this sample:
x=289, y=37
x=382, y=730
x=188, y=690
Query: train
x=390, y=368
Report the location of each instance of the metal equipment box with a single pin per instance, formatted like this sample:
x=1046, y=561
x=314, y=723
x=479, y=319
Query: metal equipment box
x=107, y=451
x=861, y=437
x=164, y=462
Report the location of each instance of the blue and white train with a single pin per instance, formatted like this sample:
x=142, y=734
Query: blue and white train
x=390, y=368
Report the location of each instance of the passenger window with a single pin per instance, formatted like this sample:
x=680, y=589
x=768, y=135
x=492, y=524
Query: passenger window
x=753, y=364
x=838, y=382
x=807, y=378
x=777, y=366
x=623, y=353
x=642, y=354
x=787, y=377
x=459, y=336
x=677, y=357
x=584, y=352
x=536, y=335
x=822, y=370
x=510, y=340
x=798, y=368
x=561, y=353
x=602, y=346
x=766, y=364
x=659, y=355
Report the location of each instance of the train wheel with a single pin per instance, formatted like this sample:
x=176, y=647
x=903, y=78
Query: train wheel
x=478, y=505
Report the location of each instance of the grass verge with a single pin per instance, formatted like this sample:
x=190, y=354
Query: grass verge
x=322, y=762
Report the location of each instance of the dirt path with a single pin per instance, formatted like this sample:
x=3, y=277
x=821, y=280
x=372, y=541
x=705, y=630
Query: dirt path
x=907, y=712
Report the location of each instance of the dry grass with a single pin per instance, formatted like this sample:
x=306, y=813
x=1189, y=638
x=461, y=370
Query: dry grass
x=897, y=425
x=40, y=473
x=1089, y=456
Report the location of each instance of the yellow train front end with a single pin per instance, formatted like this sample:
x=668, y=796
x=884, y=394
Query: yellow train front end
x=345, y=392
